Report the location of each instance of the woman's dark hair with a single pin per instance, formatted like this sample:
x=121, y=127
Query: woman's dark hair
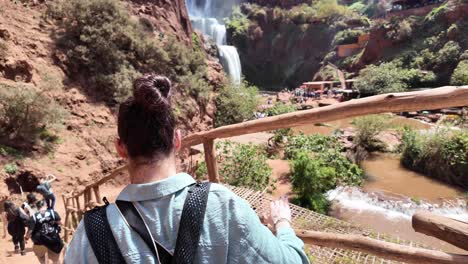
x=40, y=204
x=146, y=123
x=10, y=208
x=31, y=199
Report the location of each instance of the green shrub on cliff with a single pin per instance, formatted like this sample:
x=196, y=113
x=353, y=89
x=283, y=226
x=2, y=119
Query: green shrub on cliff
x=236, y=103
x=238, y=23
x=460, y=75
x=390, y=77
x=24, y=113
x=102, y=42
x=441, y=154
x=330, y=8
x=348, y=36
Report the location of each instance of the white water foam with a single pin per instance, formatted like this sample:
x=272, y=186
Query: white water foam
x=203, y=16
x=355, y=199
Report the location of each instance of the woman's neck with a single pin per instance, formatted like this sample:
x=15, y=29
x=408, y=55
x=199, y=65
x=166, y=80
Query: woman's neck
x=146, y=173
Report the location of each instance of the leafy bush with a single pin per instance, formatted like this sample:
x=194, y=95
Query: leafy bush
x=330, y=8
x=436, y=13
x=448, y=55
x=314, y=175
x=401, y=31
x=442, y=154
x=238, y=23
x=236, y=103
x=302, y=14
x=309, y=143
x=10, y=168
x=359, y=7
x=242, y=165
x=24, y=113
x=390, y=77
x=348, y=36
x=279, y=109
x=460, y=75
x=367, y=129
x=102, y=42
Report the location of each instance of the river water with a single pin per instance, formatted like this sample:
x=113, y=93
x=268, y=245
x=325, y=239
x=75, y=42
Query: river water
x=392, y=193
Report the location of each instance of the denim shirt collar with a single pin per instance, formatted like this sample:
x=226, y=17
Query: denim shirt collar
x=155, y=190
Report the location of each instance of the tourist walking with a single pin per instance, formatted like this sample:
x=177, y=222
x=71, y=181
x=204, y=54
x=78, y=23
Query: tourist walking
x=44, y=230
x=158, y=219
x=14, y=220
x=29, y=206
x=45, y=188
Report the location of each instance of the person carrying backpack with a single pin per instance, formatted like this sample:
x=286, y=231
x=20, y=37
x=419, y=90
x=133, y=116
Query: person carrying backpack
x=14, y=219
x=166, y=217
x=45, y=188
x=44, y=230
x=30, y=205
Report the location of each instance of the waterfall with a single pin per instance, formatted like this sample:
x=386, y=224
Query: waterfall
x=205, y=18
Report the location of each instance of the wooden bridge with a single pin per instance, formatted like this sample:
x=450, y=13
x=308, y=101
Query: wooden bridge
x=341, y=242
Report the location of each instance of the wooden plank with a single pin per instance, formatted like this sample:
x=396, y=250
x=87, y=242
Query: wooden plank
x=380, y=248
x=447, y=229
x=438, y=98
x=210, y=159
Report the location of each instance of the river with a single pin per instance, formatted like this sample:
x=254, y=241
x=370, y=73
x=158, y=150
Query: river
x=391, y=193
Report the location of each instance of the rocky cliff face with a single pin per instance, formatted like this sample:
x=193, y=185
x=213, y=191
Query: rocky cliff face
x=277, y=51
x=280, y=3
x=167, y=16
x=84, y=150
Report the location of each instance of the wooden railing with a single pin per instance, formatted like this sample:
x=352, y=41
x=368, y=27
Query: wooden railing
x=438, y=98
x=77, y=202
x=443, y=97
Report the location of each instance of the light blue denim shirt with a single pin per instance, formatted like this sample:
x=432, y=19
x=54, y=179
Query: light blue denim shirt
x=232, y=231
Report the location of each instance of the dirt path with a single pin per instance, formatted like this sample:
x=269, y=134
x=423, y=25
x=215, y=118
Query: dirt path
x=7, y=255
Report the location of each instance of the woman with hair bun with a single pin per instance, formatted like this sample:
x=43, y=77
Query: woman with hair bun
x=229, y=230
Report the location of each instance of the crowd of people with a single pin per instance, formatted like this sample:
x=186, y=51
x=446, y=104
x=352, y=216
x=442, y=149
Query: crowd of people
x=41, y=221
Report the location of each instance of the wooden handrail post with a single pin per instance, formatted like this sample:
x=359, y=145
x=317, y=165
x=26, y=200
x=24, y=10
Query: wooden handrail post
x=449, y=230
x=210, y=159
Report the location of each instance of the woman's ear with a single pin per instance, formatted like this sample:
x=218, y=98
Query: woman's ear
x=177, y=140
x=121, y=149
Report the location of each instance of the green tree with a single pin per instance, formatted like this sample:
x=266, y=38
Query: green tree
x=460, y=75
x=315, y=174
x=24, y=113
x=236, y=103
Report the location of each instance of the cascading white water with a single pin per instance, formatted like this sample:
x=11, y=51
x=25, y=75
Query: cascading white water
x=204, y=18
x=355, y=199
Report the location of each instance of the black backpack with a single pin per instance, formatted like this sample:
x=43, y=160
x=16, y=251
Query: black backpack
x=105, y=246
x=47, y=232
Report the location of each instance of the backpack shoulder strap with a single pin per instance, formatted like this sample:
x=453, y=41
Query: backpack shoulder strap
x=100, y=236
x=136, y=222
x=191, y=223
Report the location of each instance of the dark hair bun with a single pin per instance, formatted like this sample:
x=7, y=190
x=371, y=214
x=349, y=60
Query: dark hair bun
x=153, y=92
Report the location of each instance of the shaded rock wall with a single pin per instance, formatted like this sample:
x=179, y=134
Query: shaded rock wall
x=278, y=53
